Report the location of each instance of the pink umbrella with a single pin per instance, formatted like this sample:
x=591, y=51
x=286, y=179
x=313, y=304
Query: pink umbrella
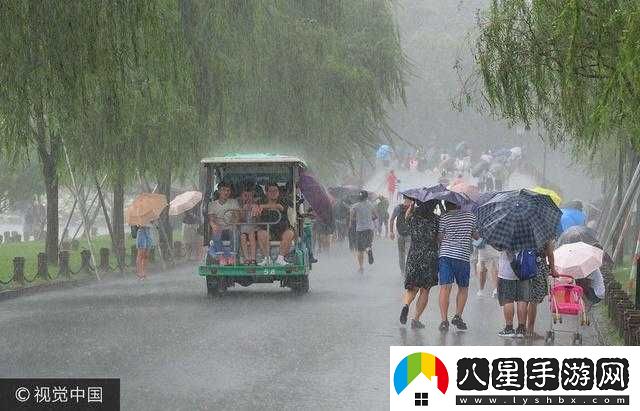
x=184, y=202
x=465, y=188
x=577, y=259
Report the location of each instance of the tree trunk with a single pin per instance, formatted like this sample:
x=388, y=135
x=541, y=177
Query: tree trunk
x=51, y=182
x=634, y=159
x=621, y=184
x=105, y=212
x=49, y=152
x=165, y=229
x=118, y=218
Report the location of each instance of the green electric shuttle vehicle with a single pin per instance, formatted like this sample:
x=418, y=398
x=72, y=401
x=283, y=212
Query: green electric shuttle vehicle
x=226, y=268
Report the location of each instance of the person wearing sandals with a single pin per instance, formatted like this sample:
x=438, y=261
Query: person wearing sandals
x=422, y=259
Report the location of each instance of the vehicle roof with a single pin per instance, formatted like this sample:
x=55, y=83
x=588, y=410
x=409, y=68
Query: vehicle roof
x=253, y=158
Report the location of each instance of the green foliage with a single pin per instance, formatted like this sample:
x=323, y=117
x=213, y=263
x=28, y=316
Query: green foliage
x=20, y=184
x=145, y=86
x=306, y=77
x=571, y=65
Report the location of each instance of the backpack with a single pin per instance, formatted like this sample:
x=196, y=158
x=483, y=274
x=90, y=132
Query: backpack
x=134, y=231
x=525, y=264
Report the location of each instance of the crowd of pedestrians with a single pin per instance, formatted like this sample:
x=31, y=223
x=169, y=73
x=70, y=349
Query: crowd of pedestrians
x=443, y=242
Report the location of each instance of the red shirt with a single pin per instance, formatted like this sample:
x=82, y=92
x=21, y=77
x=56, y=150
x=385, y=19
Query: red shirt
x=392, y=183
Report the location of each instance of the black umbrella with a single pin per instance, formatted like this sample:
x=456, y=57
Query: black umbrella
x=518, y=220
x=440, y=193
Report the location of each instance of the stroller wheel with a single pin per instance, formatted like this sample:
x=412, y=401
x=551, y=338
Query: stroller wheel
x=549, y=337
x=577, y=339
x=560, y=319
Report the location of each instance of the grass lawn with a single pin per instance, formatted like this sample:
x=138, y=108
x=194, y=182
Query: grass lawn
x=622, y=275
x=607, y=329
x=30, y=249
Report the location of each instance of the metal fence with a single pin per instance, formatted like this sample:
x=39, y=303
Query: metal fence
x=621, y=310
x=66, y=272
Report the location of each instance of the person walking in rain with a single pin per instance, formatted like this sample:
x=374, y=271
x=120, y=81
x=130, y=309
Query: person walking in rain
x=513, y=296
x=382, y=207
x=144, y=243
x=362, y=216
x=422, y=259
x=487, y=265
x=540, y=285
x=455, y=232
x=392, y=184
x=398, y=220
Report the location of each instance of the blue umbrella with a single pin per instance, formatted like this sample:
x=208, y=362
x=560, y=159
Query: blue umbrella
x=383, y=152
x=518, y=220
x=572, y=217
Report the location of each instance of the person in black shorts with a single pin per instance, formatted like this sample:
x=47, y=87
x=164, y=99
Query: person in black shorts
x=274, y=210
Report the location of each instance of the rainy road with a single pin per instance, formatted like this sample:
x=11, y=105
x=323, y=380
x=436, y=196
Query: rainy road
x=257, y=347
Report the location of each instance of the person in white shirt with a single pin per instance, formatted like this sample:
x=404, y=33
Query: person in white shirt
x=221, y=213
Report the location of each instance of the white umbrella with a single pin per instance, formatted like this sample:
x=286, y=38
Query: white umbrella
x=184, y=202
x=577, y=259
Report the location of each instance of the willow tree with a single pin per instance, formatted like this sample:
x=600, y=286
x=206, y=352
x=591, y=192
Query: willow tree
x=311, y=77
x=136, y=115
x=573, y=65
x=38, y=90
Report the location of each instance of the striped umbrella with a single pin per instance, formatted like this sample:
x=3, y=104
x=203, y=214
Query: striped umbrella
x=518, y=220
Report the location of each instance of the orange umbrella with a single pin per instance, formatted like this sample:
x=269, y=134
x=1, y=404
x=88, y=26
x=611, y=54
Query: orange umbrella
x=145, y=208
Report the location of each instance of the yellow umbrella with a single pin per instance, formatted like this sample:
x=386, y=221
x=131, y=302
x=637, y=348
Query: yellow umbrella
x=555, y=197
x=145, y=208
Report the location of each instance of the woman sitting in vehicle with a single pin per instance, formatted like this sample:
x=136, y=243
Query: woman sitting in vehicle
x=274, y=210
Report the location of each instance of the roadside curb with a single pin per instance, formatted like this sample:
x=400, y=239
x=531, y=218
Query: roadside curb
x=66, y=284
x=36, y=289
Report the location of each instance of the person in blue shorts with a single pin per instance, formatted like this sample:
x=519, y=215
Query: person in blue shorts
x=456, y=230
x=144, y=243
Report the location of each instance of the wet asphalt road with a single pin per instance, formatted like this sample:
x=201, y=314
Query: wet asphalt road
x=259, y=347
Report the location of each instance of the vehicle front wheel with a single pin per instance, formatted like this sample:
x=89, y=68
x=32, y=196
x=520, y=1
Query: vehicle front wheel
x=213, y=287
x=301, y=286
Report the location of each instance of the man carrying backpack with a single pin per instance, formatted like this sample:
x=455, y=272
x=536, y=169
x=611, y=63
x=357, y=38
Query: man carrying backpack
x=512, y=291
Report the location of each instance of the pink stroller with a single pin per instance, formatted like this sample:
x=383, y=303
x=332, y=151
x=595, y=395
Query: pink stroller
x=565, y=299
